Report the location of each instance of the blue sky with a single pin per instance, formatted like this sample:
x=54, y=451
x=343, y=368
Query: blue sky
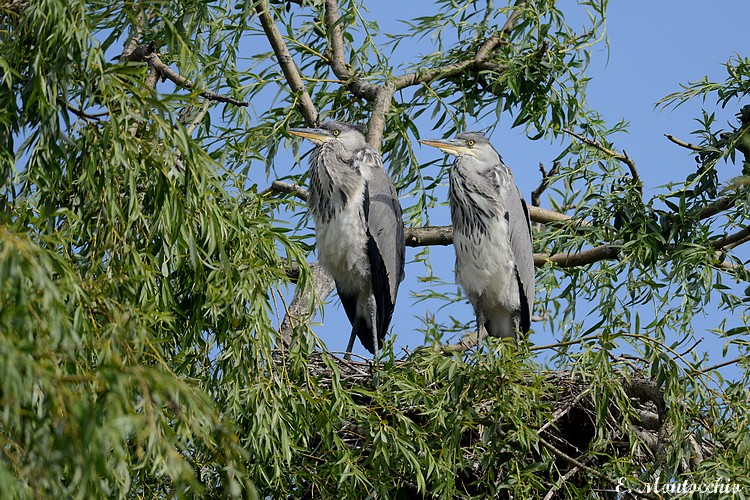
x=653, y=48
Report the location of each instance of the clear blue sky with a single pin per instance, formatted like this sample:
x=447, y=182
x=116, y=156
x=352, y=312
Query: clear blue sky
x=654, y=47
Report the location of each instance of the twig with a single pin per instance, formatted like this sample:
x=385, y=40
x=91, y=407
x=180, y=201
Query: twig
x=690, y=349
x=577, y=463
x=544, y=184
x=82, y=114
x=565, y=478
x=468, y=341
x=713, y=367
x=621, y=157
x=284, y=58
x=564, y=344
x=683, y=144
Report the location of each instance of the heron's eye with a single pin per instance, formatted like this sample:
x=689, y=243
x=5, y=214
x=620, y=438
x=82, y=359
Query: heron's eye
x=470, y=142
x=336, y=132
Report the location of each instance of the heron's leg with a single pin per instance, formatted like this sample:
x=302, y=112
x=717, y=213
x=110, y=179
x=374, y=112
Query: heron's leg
x=372, y=310
x=349, y=348
x=481, y=326
x=481, y=322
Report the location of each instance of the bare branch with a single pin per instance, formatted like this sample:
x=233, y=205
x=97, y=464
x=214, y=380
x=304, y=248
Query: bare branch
x=544, y=184
x=621, y=157
x=337, y=58
x=82, y=114
x=284, y=187
x=428, y=236
x=304, y=104
x=683, y=144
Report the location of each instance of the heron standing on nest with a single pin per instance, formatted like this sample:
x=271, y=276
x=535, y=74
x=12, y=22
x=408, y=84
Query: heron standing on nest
x=359, y=231
x=491, y=236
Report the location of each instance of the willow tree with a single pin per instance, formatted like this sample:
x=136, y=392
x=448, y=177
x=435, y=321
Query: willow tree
x=144, y=262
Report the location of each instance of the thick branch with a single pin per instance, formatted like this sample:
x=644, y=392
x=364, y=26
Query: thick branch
x=443, y=235
x=732, y=239
x=304, y=104
x=337, y=58
x=136, y=30
x=303, y=305
x=716, y=207
x=147, y=53
x=575, y=259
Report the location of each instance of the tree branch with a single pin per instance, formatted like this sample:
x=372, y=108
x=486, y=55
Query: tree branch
x=284, y=187
x=544, y=184
x=284, y=58
x=443, y=235
x=582, y=258
x=687, y=145
x=381, y=96
x=478, y=62
x=136, y=30
x=718, y=206
x=621, y=157
x=147, y=53
x=337, y=60
x=732, y=239
x=303, y=305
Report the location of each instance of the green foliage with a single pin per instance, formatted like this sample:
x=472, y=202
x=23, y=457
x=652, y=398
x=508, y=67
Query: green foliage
x=142, y=270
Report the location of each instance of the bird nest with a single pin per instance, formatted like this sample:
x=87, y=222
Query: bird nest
x=571, y=439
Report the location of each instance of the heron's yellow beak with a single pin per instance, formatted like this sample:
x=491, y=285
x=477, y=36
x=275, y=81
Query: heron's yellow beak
x=455, y=147
x=316, y=135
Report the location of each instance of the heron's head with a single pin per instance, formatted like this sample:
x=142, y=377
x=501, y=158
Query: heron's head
x=473, y=144
x=348, y=136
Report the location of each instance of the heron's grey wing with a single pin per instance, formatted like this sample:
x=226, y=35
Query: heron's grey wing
x=385, y=246
x=519, y=223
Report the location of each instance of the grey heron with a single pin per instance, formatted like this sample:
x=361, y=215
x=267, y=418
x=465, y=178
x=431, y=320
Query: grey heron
x=491, y=235
x=359, y=231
